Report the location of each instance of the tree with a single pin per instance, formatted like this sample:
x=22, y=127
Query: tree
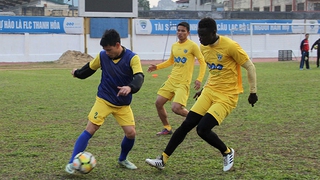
x=144, y=5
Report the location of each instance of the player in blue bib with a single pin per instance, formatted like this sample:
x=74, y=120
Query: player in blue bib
x=121, y=77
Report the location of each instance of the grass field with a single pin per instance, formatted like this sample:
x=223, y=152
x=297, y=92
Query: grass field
x=43, y=110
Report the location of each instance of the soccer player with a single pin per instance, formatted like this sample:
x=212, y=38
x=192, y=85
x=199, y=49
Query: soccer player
x=177, y=87
x=304, y=48
x=219, y=95
x=121, y=77
x=316, y=45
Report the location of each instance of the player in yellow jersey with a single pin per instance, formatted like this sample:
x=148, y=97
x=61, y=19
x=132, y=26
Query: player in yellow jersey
x=177, y=87
x=219, y=97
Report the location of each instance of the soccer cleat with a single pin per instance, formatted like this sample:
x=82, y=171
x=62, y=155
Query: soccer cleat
x=164, y=132
x=127, y=164
x=228, y=160
x=157, y=163
x=69, y=168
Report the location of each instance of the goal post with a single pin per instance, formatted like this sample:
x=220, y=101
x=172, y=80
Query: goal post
x=284, y=36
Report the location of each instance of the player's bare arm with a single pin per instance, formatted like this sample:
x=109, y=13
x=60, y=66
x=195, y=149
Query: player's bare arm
x=197, y=94
x=152, y=67
x=123, y=90
x=72, y=72
x=197, y=85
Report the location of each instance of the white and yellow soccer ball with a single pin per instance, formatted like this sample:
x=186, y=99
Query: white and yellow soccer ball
x=315, y=46
x=84, y=162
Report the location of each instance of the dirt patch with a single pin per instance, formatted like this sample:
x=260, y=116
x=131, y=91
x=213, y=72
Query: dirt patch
x=77, y=57
x=74, y=57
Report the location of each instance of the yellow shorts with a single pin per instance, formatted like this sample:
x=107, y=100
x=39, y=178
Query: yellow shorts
x=102, y=108
x=217, y=104
x=176, y=92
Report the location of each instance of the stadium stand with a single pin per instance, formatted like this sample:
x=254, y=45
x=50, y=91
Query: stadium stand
x=6, y=4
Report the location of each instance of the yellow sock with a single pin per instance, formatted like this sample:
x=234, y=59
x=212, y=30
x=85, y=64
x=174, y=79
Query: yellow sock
x=165, y=157
x=168, y=127
x=227, y=151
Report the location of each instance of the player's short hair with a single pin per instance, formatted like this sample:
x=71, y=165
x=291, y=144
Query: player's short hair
x=110, y=38
x=184, y=24
x=208, y=23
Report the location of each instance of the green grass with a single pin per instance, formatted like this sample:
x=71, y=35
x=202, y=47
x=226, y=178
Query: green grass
x=43, y=111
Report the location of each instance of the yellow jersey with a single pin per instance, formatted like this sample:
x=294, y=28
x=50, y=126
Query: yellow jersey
x=224, y=59
x=182, y=58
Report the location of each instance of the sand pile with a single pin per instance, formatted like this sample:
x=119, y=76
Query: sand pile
x=74, y=57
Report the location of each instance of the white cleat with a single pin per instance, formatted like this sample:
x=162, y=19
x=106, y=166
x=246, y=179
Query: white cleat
x=228, y=160
x=69, y=168
x=127, y=164
x=157, y=163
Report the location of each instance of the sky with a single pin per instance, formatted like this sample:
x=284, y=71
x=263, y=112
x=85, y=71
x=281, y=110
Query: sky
x=153, y=2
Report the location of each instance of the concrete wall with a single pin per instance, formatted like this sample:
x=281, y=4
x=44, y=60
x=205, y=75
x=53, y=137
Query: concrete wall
x=49, y=47
x=37, y=47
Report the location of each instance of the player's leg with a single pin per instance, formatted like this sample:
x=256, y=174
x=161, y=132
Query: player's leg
x=307, y=60
x=194, y=116
x=178, y=136
x=163, y=115
x=302, y=60
x=180, y=99
x=165, y=93
x=179, y=109
x=204, y=128
x=205, y=132
x=216, y=114
x=82, y=141
x=96, y=118
x=125, y=119
x=318, y=57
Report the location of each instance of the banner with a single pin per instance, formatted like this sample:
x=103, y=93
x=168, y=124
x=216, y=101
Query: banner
x=36, y=25
x=227, y=27
x=99, y=25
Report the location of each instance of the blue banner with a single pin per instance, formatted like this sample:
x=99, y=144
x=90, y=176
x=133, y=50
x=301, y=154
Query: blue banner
x=36, y=25
x=227, y=27
x=99, y=25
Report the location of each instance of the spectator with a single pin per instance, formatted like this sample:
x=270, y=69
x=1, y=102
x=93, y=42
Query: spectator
x=304, y=48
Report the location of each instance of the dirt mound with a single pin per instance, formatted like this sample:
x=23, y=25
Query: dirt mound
x=74, y=57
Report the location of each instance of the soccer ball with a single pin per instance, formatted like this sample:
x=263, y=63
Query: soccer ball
x=84, y=162
x=315, y=46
